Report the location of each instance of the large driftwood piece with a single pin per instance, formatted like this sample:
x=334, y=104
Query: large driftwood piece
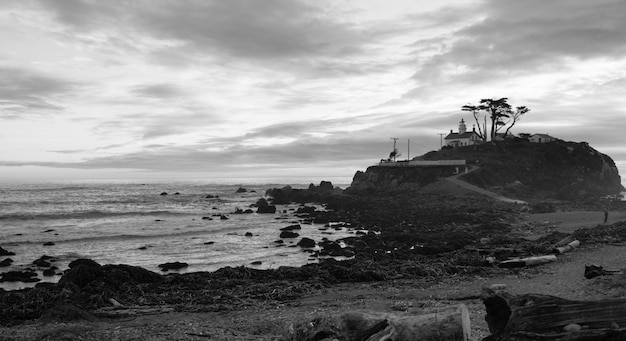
x=528, y=261
x=542, y=317
x=451, y=324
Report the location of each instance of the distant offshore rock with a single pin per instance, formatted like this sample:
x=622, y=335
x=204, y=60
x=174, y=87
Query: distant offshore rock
x=269, y=209
x=306, y=242
x=4, y=252
x=173, y=266
x=287, y=194
x=289, y=234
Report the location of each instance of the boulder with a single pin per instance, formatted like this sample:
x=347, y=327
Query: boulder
x=49, y=272
x=262, y=203
x=4, y=252
x=306, y=242
x=291, y=228
x=6, y=262
x=288, y=234
x=163, y=193
x=48, y=244
x=95, y=278
x=83, y=261
x=326, y=186
x=173, y=266
x=266, y=209
x=248, y=234
x=241, y=190
x=19, y=276
x=42, y=263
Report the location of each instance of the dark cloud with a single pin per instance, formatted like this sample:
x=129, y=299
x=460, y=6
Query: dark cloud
x=84, y=14
x=24, y=92
x=522, y=38
x=258, y=29
x=159, y=91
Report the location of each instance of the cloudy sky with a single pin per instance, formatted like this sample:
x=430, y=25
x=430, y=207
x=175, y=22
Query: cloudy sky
x=262, y=88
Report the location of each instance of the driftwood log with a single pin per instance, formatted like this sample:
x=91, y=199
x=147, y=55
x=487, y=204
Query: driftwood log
x=450, y=324
x=528, y=261
x=542, y=317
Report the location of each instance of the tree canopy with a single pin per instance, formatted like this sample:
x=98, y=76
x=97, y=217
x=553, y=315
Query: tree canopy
x=500, y=114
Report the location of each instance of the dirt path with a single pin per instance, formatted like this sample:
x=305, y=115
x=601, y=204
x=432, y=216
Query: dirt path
x=455, y=180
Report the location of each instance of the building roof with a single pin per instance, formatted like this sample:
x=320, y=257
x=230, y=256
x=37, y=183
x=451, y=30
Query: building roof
x=454, y=136
x=543, y=136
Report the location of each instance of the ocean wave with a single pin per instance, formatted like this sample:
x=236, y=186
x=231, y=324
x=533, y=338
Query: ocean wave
x=91, y=214
x=129, y=236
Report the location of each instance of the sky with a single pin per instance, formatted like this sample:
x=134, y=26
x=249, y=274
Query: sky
x=285, y=88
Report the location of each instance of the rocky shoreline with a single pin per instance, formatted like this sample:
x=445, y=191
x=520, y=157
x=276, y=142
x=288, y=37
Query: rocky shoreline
x=430, y=236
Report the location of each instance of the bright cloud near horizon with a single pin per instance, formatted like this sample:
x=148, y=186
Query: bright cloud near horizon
x=282, y=88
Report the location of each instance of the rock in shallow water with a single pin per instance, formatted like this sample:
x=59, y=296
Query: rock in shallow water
x=19, y=276
x=288, y=234
x=173, y=266
x=306, y=242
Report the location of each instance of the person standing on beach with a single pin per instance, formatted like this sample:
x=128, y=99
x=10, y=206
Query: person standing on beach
x=606, y=215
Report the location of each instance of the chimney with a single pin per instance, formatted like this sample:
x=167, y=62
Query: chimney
x=450, y=131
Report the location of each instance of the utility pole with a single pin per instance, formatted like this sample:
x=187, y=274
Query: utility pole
x=441, y=143
x=408, y=149
x=441, y=140
x=394, y=148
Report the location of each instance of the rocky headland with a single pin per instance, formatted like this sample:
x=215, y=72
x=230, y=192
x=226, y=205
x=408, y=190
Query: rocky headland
x=558, y=170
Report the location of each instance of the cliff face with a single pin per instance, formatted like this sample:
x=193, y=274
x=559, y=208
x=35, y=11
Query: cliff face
x=377, y=178
x=562, y=170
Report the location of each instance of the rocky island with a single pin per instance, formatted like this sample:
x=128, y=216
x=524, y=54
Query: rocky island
x=421, y=241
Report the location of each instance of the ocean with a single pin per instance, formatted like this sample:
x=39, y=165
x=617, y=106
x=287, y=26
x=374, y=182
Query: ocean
x=130, y=222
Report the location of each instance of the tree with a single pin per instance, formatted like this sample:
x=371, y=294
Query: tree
x=500, y=114
x=515, y=116
x=475, y=109
x=498, y=110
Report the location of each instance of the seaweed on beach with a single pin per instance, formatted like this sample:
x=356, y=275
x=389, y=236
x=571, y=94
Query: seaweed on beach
x=613, y=233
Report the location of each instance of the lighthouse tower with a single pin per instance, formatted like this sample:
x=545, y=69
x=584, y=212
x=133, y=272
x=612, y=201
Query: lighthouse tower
x=462, y=128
